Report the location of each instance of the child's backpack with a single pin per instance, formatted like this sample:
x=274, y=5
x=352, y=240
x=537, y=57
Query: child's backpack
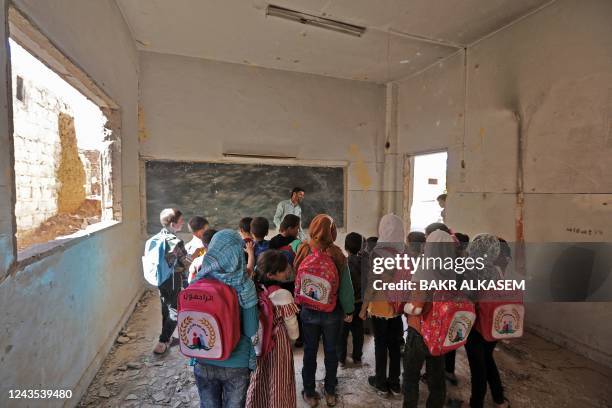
x=288, y=252
x=264, y=343
x=154, y=265
x=317, y=282
x=447, y=325
x=208, y=320
x=501, y=319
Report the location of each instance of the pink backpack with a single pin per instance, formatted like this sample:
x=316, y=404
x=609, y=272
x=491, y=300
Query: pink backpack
x=208, y=320
x=264, y=343
x=446, y=326
x=317, y=282
x=501, y=319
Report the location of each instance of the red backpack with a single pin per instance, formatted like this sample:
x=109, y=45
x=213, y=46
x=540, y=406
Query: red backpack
x=208, y=320
x=445, y=327
x=501, y=319
x=264, y=342
x=317, y=282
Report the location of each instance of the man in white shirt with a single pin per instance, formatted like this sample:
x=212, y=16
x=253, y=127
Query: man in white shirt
x=291, y=206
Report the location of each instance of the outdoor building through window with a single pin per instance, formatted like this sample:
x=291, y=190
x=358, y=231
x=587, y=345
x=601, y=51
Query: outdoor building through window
x=61, y=149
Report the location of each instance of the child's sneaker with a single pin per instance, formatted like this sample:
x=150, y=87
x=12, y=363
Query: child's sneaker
x=382, y=391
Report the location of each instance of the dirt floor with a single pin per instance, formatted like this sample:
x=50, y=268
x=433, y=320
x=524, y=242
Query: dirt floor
x=535, y=373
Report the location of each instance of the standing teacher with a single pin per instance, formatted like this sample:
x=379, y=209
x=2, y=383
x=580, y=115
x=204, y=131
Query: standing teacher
x=291, y=206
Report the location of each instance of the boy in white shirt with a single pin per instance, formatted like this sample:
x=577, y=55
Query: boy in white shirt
x=198, y=226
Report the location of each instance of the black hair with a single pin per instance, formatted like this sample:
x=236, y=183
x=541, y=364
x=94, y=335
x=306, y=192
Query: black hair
x=297, y=190
x=290, y=221
x=371, y=243
x=245, y=224
x=441, y=197
x=260, y=227
x=462, y=238
x=270, y=262
x=208, y=235
x=436, y=226
x=197, y=223
x=416, y=240
x=353, y=243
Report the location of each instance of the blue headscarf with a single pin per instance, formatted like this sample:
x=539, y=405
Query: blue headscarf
x=224, y=262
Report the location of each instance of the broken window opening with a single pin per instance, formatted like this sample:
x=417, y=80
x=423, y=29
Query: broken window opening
x=64, y=152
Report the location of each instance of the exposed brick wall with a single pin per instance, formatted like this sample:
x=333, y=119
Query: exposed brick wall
x=37, y=153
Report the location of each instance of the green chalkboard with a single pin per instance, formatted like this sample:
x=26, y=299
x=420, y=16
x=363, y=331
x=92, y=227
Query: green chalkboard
x=226, y=192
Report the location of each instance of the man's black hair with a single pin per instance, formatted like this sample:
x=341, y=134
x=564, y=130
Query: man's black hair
x=296, y=190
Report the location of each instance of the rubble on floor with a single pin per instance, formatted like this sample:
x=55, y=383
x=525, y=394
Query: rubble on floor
x=535, y=373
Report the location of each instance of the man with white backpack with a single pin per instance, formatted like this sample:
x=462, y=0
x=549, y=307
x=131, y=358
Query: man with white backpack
x=164, y=262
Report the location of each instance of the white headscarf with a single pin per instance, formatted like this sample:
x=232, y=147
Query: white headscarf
x=391, y=232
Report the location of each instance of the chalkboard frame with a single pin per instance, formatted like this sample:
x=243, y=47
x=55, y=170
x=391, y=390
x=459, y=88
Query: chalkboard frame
x=259, y=161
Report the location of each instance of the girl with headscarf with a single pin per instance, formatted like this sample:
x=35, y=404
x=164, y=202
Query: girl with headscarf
x=483, y=368
x=323, y=233
x=439, y=245
x=386, y=320
x=224, y=261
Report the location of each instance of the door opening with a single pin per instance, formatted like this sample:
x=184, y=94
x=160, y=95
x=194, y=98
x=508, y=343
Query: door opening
x=427, y=183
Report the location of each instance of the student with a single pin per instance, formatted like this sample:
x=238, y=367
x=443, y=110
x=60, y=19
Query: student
x=259, y=228
x=288, y=232
x=370, y=244
x=436, y=226
x=273, y=382
x=439, y=244
x=197, y=226
x=416, y=242
x=369, y=247
x=172, y=222
x=224, y=383
x=315, y=323
x=244, y=228
x=353, y=244
x=197, y=262
x=386, y=320
x=449, y=358
x=483, y=368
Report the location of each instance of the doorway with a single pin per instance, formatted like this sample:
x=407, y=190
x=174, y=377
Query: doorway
x=425, y=179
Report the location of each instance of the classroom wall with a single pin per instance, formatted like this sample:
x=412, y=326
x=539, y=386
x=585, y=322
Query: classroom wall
x=196, y=109
x=553, y=69
x=61, y=314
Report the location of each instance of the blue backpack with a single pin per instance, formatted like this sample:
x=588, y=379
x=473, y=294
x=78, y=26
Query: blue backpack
x=154, y=265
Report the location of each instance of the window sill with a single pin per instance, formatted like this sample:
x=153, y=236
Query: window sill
x=38, y=252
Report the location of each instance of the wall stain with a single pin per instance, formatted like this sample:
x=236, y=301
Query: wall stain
x=361, y=170
x=142, y=130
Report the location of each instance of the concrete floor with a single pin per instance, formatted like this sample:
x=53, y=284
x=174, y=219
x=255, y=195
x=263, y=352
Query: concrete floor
x=535, y=373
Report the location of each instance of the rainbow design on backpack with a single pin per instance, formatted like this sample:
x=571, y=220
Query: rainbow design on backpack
x=198, y=335
x=508, y=321
x=459, y=327
x=315, y=288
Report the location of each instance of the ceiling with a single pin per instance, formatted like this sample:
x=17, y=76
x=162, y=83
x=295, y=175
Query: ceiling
x=402, y=36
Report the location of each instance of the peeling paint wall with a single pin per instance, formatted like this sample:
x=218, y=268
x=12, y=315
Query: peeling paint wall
x=195, y=109
x=60, y=315
x=553, y=70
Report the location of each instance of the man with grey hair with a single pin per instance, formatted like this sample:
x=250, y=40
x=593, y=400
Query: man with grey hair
x=172, y=222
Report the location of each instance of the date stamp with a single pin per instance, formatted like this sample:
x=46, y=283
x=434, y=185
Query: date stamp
x=40, y=394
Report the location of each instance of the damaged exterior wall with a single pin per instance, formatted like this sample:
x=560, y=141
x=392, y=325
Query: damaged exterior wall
x=553, y=70
x=81, y=294
x=195, y=109
x=70, y=172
